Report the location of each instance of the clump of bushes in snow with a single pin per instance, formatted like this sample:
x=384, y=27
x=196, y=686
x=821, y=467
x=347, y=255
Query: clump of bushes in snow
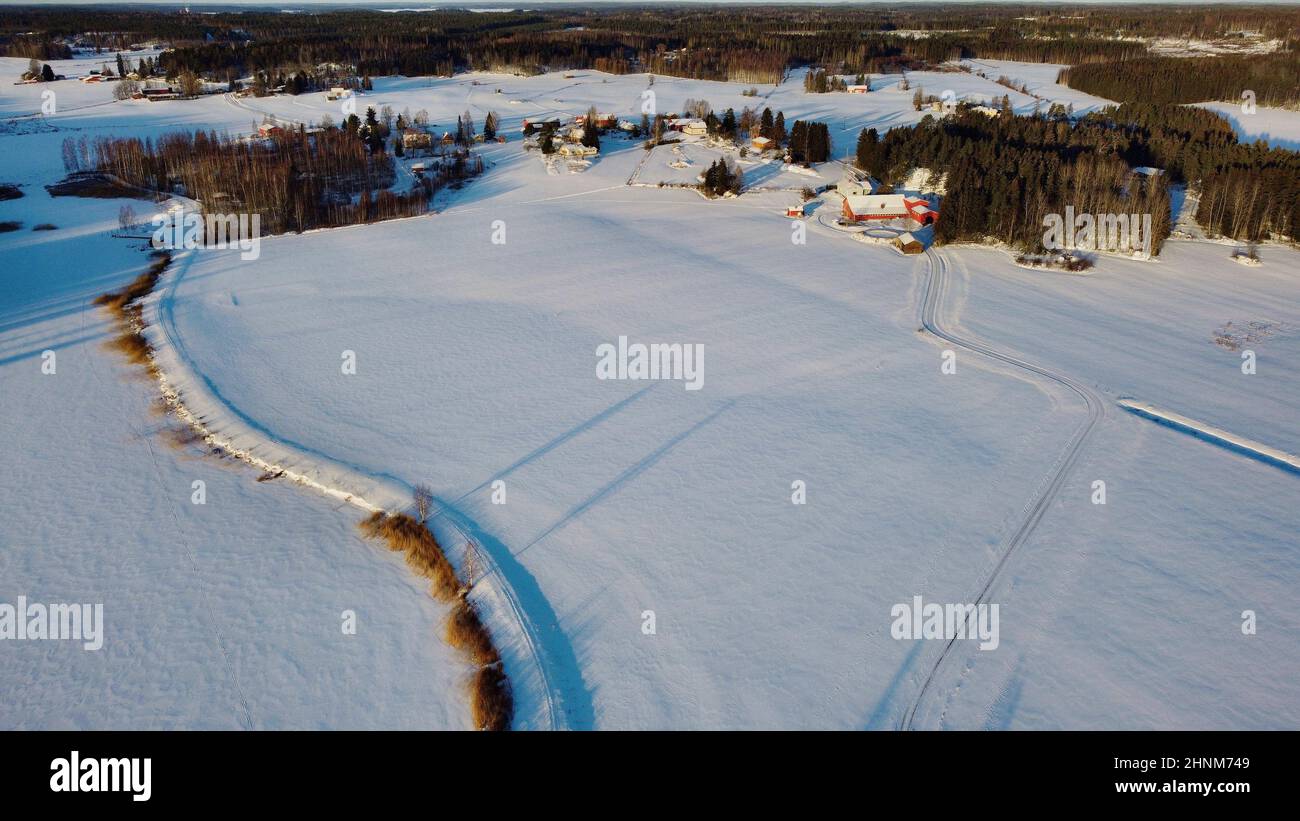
x=9, y=192
x=404, y=534
x=1061, y=262
x=491, y=701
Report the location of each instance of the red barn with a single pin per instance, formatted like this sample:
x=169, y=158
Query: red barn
x=865, y=207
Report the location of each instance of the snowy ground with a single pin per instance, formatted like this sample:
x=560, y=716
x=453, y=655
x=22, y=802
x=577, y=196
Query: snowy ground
x=224, y=615
x=1130, y=613
x=476, y=362
x=684, y=163
x=1040, y=79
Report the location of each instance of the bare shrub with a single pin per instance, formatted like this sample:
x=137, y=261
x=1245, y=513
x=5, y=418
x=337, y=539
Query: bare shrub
x=132, y=345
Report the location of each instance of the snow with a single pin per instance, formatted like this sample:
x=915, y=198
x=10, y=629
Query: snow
x=476, y=363
x=1210, y=433
x=225, y=615
x=1040, y=79
x=1278, y=127
x=1130, y=612
x=623, y=498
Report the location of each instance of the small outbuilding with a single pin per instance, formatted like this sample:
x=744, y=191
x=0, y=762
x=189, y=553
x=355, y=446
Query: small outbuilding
x=909, y=244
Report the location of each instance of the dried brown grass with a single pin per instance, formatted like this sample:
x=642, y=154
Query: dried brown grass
x=403, y=534
x=466, y=632
x=123, y=306
x=491, y=701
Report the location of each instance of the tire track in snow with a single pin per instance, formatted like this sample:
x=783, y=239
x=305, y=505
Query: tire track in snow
x=1047, y=490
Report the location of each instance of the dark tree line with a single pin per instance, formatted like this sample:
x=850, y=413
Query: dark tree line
x=1005, y=174
x=1274, y=78
x=721, y=178
x=749, y=45
x=296, y=180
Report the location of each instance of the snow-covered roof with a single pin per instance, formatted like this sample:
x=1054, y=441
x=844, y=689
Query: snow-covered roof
x=877, y=204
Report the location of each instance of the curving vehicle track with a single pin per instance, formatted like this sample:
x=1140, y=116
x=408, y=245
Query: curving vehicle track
x=1047, y=490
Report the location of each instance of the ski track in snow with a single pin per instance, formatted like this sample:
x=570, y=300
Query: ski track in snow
x=1047, y=490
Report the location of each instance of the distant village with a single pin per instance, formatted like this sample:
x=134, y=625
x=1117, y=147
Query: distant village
x=442, y=157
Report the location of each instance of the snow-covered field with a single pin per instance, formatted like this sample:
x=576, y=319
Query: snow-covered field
x=1279, y=127
x=224, y=615
x=1040, y=79
x=1130, y=612
x=684, y=163
x=475, y=334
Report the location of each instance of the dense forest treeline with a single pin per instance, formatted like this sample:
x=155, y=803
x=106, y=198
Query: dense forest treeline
x=1274, y=78
x=745, y=44
x=1004, y=174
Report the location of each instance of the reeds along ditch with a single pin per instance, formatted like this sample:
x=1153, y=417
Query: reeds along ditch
x=124, y=306
x=491, y=702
